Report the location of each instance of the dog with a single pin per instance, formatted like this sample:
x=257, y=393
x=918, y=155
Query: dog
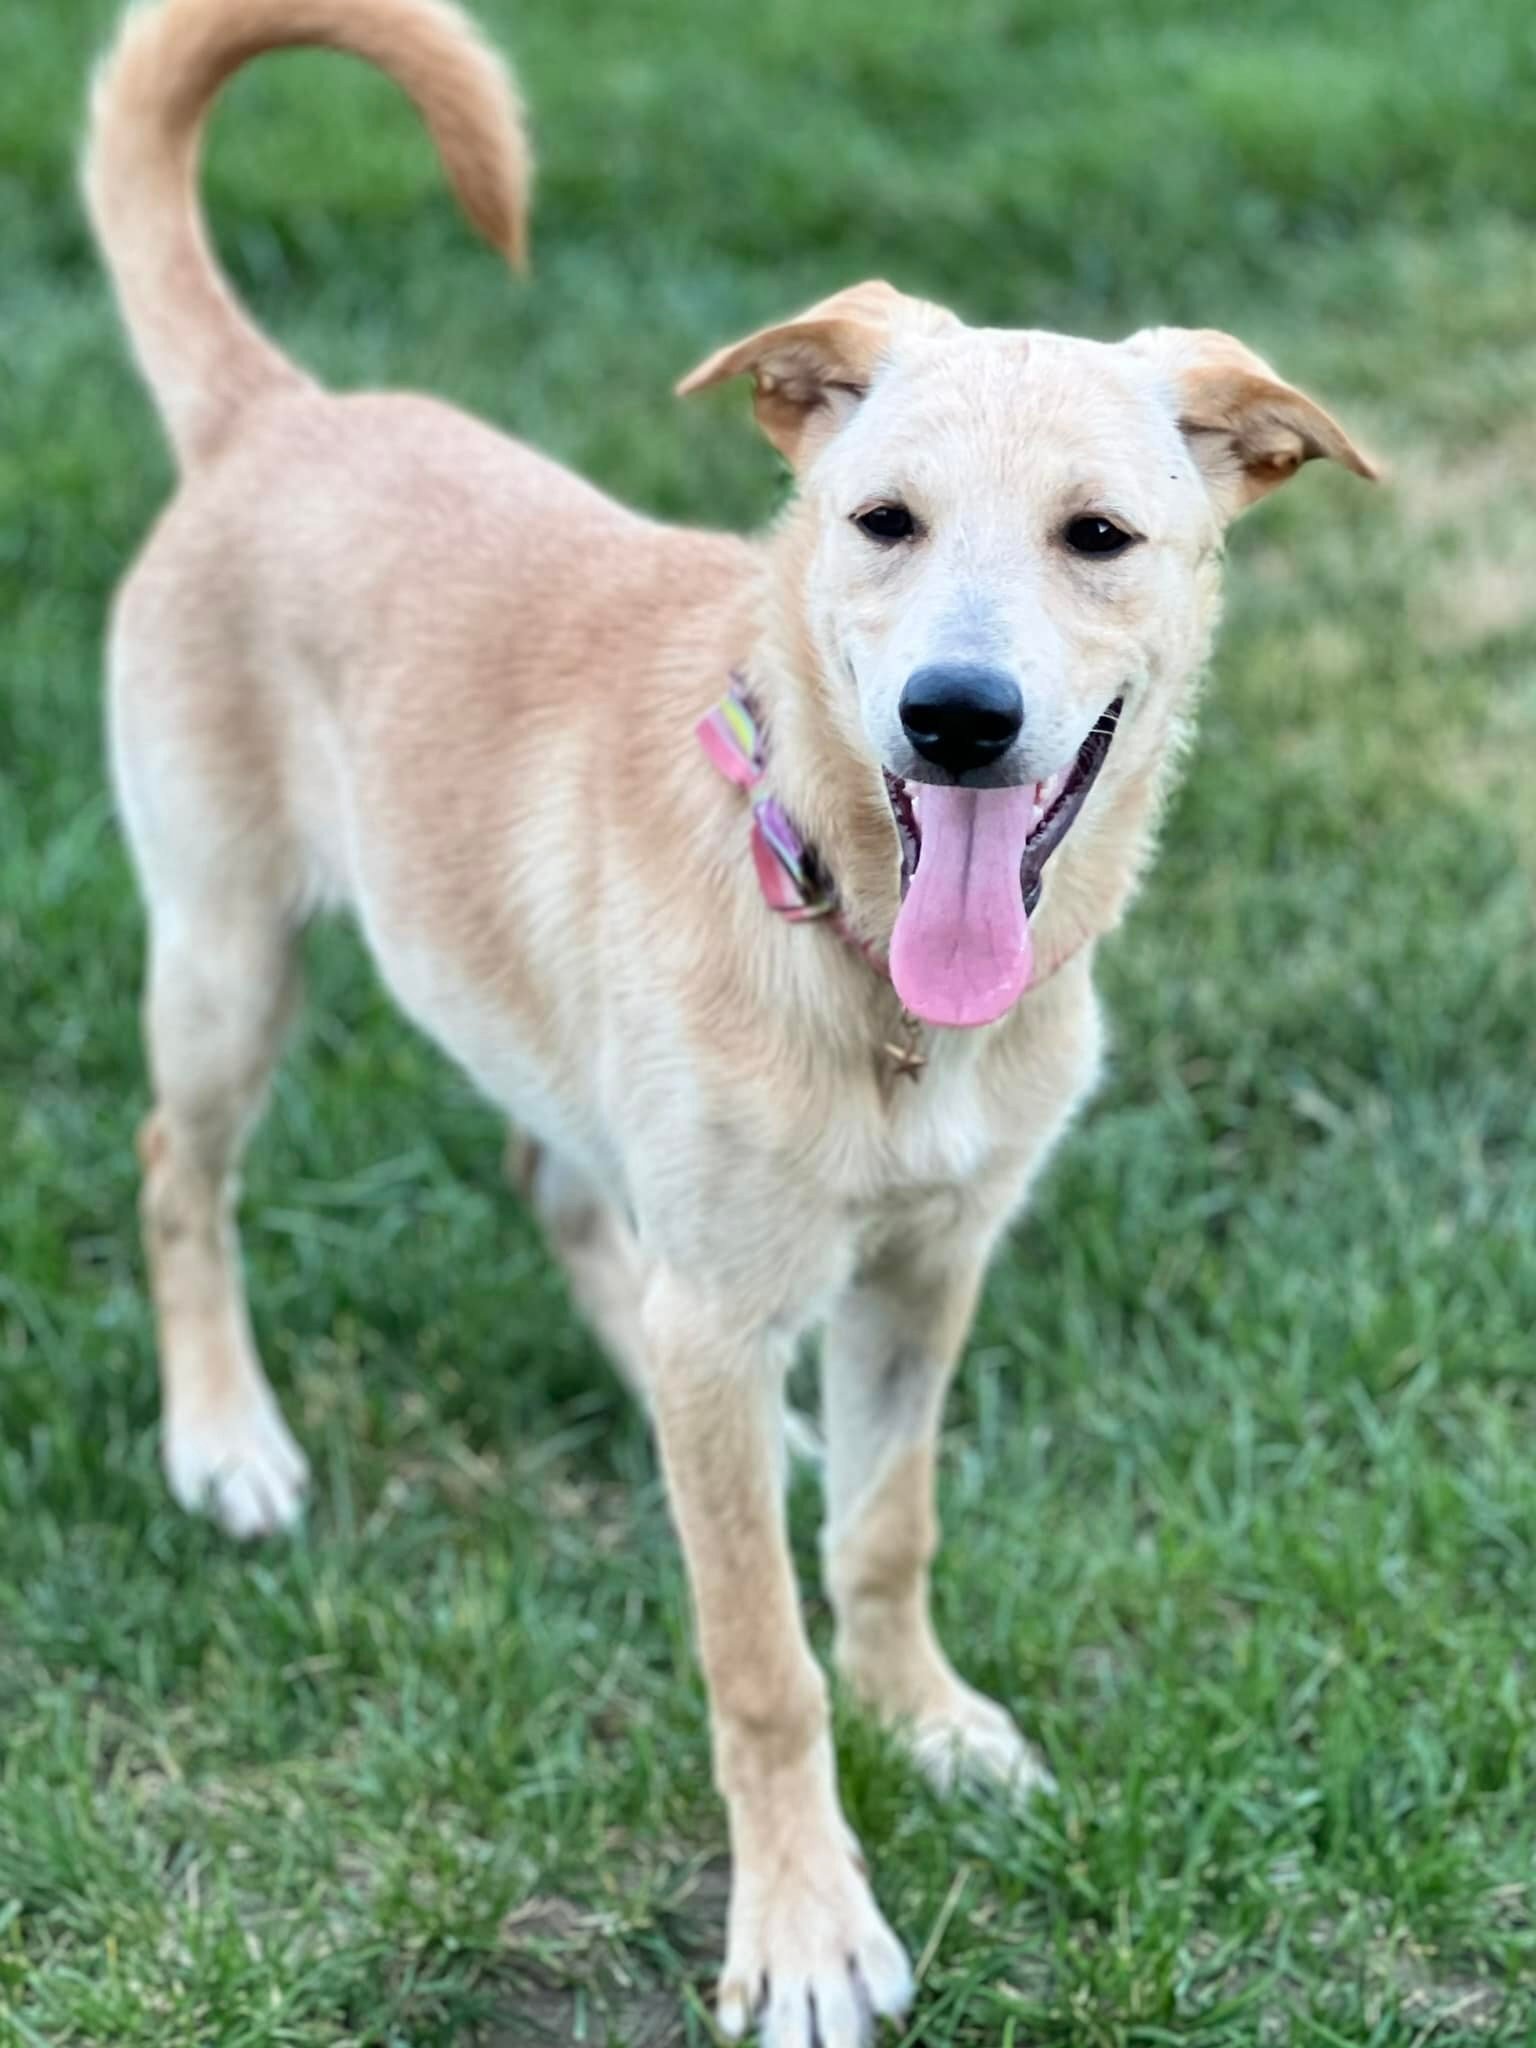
x=758, y=881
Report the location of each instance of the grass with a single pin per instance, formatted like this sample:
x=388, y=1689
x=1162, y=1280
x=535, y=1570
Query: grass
x=1239, y=1489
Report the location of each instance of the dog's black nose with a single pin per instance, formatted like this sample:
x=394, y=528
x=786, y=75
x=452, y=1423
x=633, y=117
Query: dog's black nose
x=961, y=716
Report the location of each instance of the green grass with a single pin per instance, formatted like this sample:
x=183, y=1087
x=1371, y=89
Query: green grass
x=1240, y=1493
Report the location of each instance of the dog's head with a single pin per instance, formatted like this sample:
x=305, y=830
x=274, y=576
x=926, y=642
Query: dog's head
x=1012, y=564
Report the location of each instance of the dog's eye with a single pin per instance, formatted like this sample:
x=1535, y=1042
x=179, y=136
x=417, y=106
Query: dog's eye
x=1095, y=536
x=886, y=523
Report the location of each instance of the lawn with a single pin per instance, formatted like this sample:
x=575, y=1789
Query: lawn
x=1239, y=1481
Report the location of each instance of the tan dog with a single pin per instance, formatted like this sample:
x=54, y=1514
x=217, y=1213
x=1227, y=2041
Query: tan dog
x=377, y=655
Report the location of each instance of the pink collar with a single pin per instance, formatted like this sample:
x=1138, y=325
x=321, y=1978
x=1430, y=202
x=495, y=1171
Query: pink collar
x=790, y=874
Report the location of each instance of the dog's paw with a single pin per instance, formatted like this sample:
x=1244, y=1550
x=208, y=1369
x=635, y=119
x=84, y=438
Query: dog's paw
x=810, y=1962
x=240, y=1465
x=971, y=1743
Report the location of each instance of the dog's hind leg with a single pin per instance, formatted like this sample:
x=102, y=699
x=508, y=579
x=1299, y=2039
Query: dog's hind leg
x=596, y=1246
x=889, y=1351
x=222, y=983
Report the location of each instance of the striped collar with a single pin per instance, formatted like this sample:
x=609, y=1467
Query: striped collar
x=791, y=874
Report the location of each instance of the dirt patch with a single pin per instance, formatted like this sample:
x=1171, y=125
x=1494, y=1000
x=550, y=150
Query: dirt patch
x=578, y=1975
x=592, y=2017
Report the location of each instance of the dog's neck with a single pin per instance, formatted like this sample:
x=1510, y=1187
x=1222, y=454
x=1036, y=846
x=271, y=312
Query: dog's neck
x=830, y=787
x=836, y=800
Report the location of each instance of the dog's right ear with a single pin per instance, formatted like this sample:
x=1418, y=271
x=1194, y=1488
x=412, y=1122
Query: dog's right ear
x=809, y=373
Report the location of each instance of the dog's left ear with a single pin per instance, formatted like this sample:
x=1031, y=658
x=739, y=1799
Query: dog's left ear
x=809, y=373
x=1248, y=430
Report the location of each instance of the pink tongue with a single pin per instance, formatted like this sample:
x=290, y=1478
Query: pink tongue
x=961, y=952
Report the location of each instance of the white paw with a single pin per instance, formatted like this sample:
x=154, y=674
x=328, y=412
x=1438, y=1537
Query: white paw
x=973, y=1742
x=809, y=1960
x=239, y=1465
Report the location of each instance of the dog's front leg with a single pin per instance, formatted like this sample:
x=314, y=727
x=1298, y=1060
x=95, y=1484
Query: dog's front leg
x=808, y=1955
x=890, y=1349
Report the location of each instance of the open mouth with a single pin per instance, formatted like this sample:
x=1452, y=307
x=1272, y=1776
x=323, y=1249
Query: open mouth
x=972, y=862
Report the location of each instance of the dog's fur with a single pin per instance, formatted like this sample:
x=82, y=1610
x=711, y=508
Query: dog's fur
x=377, y=655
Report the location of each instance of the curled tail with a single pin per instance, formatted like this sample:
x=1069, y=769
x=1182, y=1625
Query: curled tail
x=202, y=356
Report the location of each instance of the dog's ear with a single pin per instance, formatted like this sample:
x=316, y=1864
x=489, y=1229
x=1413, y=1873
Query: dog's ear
x=1247, y=429
x=810, y=372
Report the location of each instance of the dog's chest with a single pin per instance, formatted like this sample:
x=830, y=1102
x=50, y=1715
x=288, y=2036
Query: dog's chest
x=930, y=1137
x=956, y=1145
